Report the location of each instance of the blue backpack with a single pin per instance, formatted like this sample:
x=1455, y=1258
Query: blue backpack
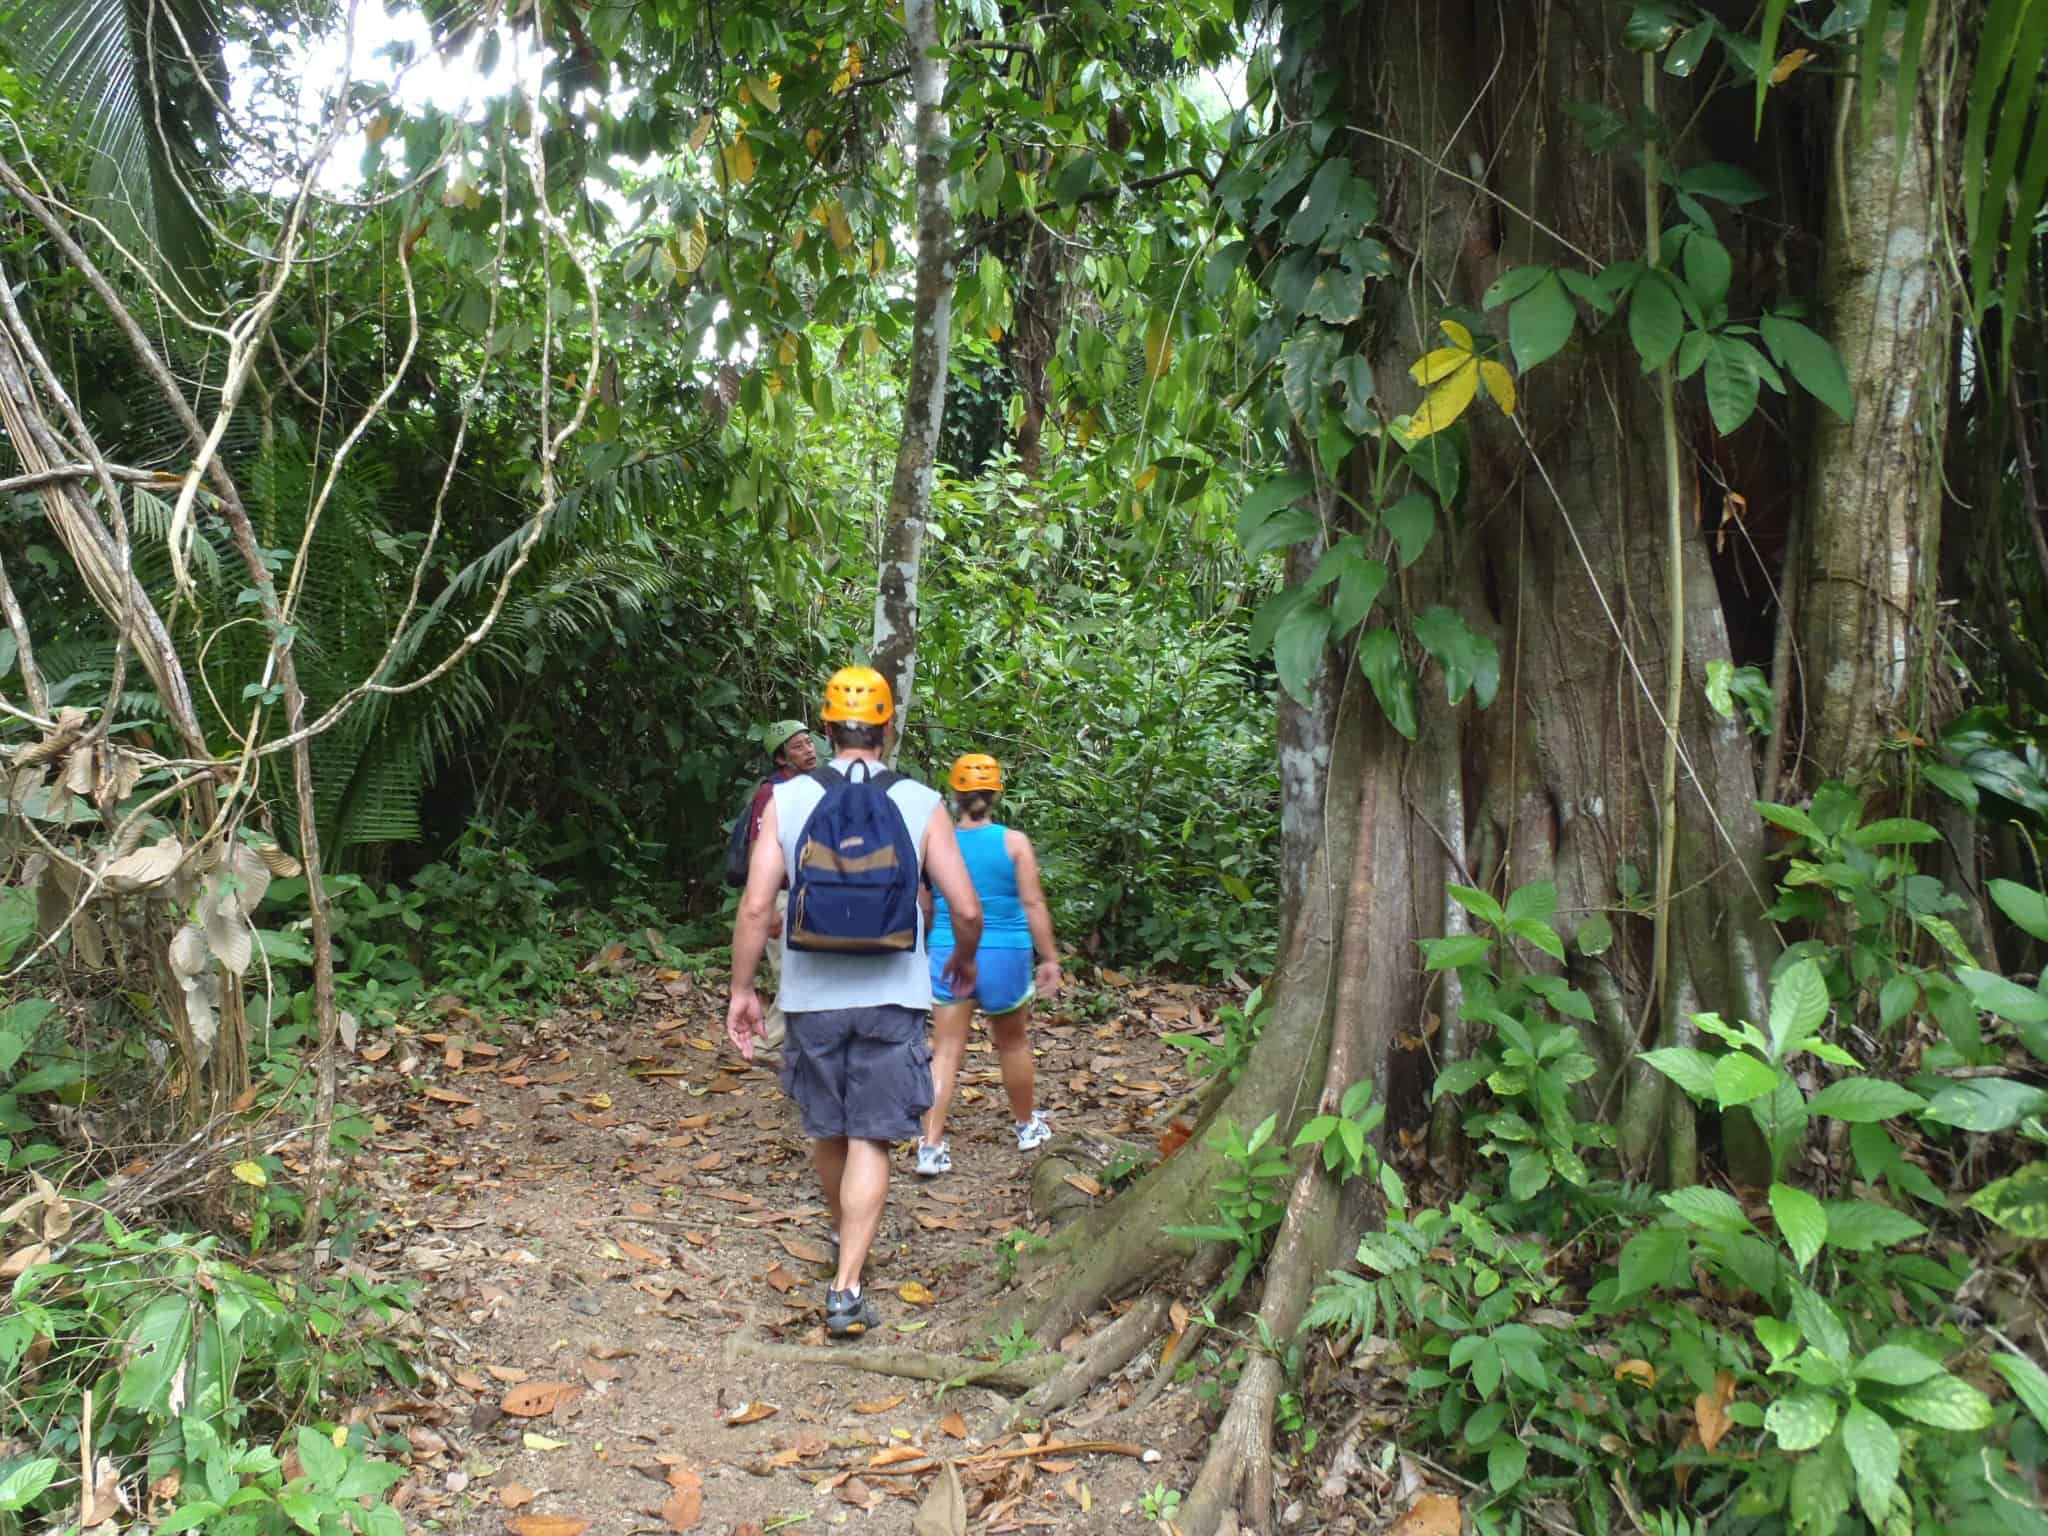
x=854, y=888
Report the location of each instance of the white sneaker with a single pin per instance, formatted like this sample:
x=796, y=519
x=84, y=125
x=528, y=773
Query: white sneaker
x=1033, y=1133
x=933, y=1160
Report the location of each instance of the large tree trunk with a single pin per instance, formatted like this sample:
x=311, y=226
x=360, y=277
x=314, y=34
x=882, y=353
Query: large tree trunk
x=1866, y=620
x=1559, y=548
x=894, y=649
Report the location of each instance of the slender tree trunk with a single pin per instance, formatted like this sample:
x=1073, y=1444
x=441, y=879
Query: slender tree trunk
x=1873, y=526
x=894, y=649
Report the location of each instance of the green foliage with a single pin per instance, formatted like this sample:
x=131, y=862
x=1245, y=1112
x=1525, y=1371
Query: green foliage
x=1250, y=1197
x=1225, y=1059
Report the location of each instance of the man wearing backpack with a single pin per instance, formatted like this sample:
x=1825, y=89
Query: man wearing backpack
x=791, y=751
x=854, y=839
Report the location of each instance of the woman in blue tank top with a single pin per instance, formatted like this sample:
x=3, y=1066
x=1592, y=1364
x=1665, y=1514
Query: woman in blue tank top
x=1015, y=922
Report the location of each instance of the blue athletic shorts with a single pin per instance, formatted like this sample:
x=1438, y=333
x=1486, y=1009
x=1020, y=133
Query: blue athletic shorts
x=1002, y=979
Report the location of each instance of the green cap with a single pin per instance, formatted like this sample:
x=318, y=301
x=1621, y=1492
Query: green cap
x=779, y=735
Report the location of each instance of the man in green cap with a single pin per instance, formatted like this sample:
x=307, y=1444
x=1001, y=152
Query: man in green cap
x=793, y=751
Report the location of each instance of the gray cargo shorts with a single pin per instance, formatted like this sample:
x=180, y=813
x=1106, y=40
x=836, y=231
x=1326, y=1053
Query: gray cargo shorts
x=864, y=1073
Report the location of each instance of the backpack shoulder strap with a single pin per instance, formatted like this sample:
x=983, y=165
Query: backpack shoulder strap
x=826, y=776
x=887, y=779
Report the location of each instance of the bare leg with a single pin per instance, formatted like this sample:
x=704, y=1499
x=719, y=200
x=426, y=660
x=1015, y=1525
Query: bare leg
x=1013, y=1054
x=829, y=1158
x=863, y=1187
x=949, y=1044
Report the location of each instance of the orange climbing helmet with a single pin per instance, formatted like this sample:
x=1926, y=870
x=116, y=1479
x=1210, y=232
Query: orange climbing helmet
x=859, y=694
x=976, y=770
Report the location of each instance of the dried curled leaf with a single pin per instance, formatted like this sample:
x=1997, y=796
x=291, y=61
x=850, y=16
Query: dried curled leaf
x=188, y=951
x=146, y=867
x=278, y=862
x=251, y=877
x=81, y=769
x=119, y=773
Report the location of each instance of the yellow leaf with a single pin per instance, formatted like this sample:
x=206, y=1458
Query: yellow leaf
x=1145, y=477
x=1460, y=337
x=914, y=1292
x=1445, y=403
x=763, y=91
x=250, y=1173
x=738, y=160
x=1789, y=65
x=1636, y=1370
x=853, y=61
x=379, y=127
x=814, y=140
x=1158, y=347
x=700, y=133
x=600, y=1101
x=785, y=350
x=870, y=343
x=1435, y=367
x=534, y=1442
x=1084, y=429
x=878, y=255
x=841, y=228
x=690, y=248
x=1500, y=384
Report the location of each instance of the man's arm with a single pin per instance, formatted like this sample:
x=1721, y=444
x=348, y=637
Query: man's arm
x=765, y=869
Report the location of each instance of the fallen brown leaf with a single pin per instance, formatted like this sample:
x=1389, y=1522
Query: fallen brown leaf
x=450, y=1096
x=809, y=1251
x=880, y=1404
x=1710, y=1411
x=752, y=1413
x=507, y=1373
x=546, y=1525
x=954, y=1425
x=537, y=1399
x=641, y=1251
x=1083, y=1183
x=710, y=1161
x=515, y=1496
x=783, y=1281
x=685, y=1507
x=1434, y=1514
x=889, y=1455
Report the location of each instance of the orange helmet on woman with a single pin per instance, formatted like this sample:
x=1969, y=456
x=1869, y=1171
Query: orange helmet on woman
x=976, y=770
x=859, y=694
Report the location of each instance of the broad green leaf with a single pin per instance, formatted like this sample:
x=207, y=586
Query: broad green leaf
x=1732, y=379
x=1649, y=27
x=1692, y=1070
x=1799, y=1006
x=2027, y=907
x=1944, y=1402
x=1790, y=817
x=1595, y=935
x=1819, y=1496
x=1537, y=899
x=1411, y=521
x=1778, y=1337
x=1480, y=904
x=1722, y=182
x=1896, y=1365
x=1873, y=1447
x=1540, y=323
x=1862, y=1226
x=1800, y=1421
x=2018, y=1202
x=1506, y=1461
x=1533, y=931
x=1298, y=648
x=1896, y=999
x=22, y=1486
x=1470, y=660
x=1289, y=526
x=1686, y=53
x=1819, y=1323
x=323, y=1460
x=1740, y=1078
x=1812, y=361
x=2009, y=1000
x=1657, y=1256
x=1281, y=491
x=1528, y=1175
x=1455, y=952
x=1655, y=320
x=1861, y=1099
x=1512, y=284
x=1985, y=1104
x=155, y=1347
x=1707, y=269
x=1392, y=679
x=2028, y=1382
x=1802, y=1221
x=1358, y=588
x=1891, y=830
x=1714, y=1209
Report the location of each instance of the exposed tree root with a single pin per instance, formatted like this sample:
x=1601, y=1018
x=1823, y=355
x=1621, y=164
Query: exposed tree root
x=955, y=1370
x=1107, y=1352
x=1203, y=1274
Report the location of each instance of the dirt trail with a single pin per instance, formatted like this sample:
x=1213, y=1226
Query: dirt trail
x=595, y=1202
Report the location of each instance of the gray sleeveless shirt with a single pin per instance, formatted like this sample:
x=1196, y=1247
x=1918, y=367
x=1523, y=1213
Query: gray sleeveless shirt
x=812, y=982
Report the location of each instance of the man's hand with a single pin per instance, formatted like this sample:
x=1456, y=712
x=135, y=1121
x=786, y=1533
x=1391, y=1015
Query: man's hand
x=1048, y=981
x=743, y=1023
x=960, y=973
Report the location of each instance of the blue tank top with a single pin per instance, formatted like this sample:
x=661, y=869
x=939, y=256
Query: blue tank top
x=994, y=873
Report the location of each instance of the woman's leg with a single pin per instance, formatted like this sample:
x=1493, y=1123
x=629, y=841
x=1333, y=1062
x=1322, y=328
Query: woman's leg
x=1013, y=1054
x=949, y=1044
